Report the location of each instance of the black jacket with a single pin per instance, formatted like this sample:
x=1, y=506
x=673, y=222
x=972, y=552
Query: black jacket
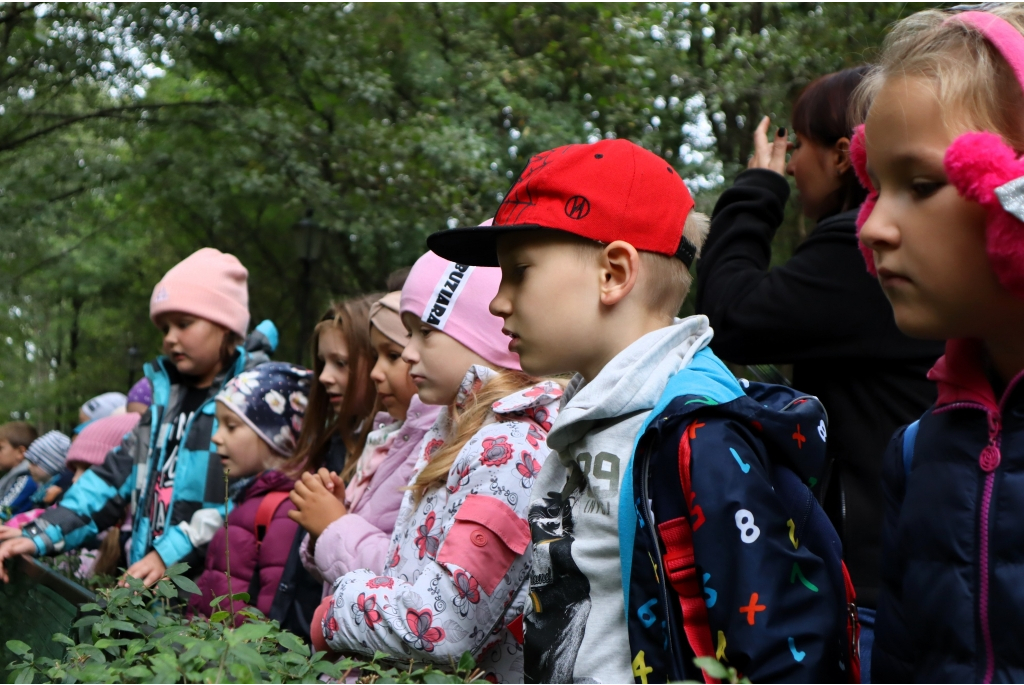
x=951, y=604
x=822, y=312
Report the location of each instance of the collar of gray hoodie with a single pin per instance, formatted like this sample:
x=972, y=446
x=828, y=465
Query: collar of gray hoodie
x=11, y=475
x=632, y=382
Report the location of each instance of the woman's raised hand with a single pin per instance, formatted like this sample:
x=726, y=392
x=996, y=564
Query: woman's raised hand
x=769, y=155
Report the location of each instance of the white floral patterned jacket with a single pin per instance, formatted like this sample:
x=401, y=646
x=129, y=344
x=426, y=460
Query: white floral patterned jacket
x=458, y=565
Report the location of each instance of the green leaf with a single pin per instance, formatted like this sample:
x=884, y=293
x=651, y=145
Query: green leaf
x=176, y=569
x=220, y=616
x=249, y=632
x=240, y=597
x=86, y=621
x=141, y=616
x=186, y=584
x=18, y=647
x=123, y=625
x=138, y=673
x=215, y=602
x=712, y=667
x=293, y=643
x=24, y=676
x=467, y=662
x=63, y=639
x=248, y=655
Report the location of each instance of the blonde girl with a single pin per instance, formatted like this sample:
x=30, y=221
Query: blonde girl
x=459, y=559
x=943, y=229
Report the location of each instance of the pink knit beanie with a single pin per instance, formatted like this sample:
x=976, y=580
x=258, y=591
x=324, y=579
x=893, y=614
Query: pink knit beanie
x=99, y=437
x=209, y=284
x=454, y=298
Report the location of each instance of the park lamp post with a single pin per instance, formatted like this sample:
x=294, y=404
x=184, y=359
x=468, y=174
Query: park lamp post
x=133, y=363
x=308, y=245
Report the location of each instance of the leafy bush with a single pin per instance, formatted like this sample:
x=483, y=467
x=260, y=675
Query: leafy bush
x=134, y=635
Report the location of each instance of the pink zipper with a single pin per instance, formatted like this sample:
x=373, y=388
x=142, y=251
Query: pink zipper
x=988, y=461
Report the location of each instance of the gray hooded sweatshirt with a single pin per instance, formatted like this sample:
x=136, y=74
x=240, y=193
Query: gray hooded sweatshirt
x=576, y=627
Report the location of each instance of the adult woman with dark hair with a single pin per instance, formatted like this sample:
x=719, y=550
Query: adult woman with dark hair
x=820, y=311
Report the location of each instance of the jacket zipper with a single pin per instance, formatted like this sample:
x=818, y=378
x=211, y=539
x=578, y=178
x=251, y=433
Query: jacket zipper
x=988, y=461
x=648, y=516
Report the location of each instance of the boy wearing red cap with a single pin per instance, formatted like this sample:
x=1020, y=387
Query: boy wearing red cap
x=595, y=244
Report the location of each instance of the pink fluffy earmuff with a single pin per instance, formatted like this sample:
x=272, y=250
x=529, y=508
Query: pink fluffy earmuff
x=980, y=165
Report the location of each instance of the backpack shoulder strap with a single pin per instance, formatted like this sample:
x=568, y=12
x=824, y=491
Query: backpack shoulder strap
x=852, y=627
x=909, y=439
x=680, y=565
x=265, y=513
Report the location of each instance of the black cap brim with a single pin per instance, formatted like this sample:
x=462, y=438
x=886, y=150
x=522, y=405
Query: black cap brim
x=473, y=245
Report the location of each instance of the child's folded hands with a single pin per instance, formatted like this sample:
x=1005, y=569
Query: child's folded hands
x=319, y=500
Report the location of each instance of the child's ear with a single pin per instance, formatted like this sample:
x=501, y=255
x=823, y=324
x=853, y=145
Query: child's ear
x=619, y=265
x=841, y=156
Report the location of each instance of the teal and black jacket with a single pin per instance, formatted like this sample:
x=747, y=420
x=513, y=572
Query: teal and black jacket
x=125, y=481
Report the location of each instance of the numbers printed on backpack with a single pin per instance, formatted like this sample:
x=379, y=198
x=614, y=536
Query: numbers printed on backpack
x=640, y=667
x=822, y=433
x=745, y=522
x=645, y=614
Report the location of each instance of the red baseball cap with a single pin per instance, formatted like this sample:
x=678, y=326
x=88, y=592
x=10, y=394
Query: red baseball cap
x=605, y=191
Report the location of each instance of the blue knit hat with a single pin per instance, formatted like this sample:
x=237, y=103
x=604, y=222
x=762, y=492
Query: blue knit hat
x=49, y=452
x=271, y=399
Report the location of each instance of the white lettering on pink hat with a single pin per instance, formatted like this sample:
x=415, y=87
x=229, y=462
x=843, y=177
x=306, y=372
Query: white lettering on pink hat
x=446, y=294
x=454, y=298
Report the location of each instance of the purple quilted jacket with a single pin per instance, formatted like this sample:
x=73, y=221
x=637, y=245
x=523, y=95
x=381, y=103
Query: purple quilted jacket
x=360, y=538
x=269, y=557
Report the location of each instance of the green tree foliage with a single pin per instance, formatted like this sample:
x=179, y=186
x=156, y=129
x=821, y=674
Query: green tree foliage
x=131, y=135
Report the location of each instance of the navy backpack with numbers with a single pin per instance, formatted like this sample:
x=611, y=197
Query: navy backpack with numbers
x=725, y=551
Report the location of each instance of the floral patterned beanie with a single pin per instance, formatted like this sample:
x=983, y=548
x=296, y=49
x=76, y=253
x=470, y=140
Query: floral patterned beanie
x=271, y=399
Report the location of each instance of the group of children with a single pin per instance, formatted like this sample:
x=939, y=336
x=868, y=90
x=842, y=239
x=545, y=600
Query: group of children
x=444, y=486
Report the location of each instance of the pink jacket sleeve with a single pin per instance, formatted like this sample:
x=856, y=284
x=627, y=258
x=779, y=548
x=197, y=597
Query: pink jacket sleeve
x=360, y=539
x=348, y=544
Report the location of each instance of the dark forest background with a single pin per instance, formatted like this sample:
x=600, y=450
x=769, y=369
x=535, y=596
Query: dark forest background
x=321, y=143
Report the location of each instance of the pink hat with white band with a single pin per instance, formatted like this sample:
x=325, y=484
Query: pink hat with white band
x=99, y=437
x=210, y=284
x=454, y=298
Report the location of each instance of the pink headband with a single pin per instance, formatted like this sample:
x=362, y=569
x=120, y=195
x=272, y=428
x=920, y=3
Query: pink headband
x=980, y=165
x=454, y=298
x=1001, y=33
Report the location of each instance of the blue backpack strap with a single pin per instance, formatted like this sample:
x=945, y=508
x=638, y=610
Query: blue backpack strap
x=909, y=438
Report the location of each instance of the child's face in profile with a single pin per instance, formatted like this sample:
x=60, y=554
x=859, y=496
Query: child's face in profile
x=437, y=362
x=928, y=242
x=38, y=474
x=192, y=344
x=242, y=452
x=10, y=456
x=390, y=374
x=549, y=298
x=333, y=352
